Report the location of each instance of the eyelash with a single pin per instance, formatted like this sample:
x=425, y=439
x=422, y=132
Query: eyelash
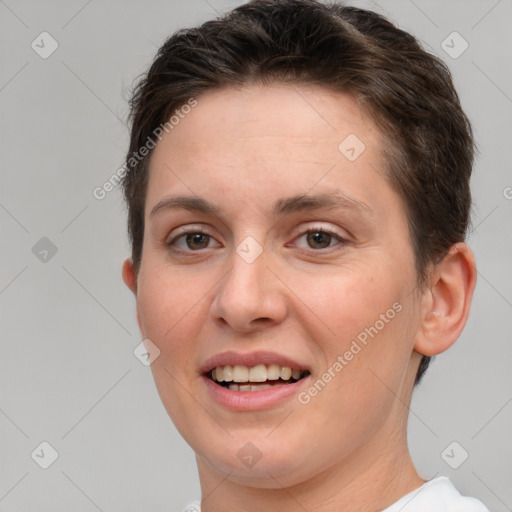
x=341, y=240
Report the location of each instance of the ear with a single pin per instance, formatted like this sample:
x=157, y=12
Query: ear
x=447, y=301
x=129, y=277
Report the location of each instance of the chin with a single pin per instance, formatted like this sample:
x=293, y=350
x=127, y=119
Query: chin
x=262, y=462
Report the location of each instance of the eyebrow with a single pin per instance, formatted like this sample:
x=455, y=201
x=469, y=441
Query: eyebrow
x=281, y=207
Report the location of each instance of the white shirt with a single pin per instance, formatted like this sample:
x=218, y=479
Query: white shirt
x=437, y=495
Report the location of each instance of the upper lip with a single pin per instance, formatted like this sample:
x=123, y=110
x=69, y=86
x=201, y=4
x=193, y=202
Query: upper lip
x=250, y=359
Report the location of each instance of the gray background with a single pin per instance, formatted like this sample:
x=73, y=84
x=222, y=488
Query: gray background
x=68, y=375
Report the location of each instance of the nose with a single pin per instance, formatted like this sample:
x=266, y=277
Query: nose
x=250, y=297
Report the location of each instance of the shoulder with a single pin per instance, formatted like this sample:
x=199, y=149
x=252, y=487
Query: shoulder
x=439, y=495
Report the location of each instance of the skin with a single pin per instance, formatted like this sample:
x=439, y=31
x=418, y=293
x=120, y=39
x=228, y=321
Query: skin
x=242, y=150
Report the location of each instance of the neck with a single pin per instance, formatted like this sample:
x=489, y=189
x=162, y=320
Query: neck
x=371, y=478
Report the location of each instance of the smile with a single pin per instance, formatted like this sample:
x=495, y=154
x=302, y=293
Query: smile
x=255, y=378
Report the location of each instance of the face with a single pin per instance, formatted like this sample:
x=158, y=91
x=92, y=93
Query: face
x=276, y=251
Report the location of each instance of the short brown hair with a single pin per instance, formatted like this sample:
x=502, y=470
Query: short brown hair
x=408, y=92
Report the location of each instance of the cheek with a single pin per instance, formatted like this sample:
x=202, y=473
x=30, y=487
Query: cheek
x=363, y=325
x=349, y=300
x=171, y=306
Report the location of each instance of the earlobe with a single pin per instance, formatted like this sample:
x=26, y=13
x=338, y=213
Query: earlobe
x=447, y=301
x=129, y=277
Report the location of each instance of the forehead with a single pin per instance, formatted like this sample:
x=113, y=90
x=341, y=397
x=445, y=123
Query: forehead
x=259, y=141
x=279, y=114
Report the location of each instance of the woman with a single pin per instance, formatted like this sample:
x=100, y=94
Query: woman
x=298, y=195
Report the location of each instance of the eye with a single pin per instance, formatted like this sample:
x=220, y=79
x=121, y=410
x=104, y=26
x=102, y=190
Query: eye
x=314, y=238
x=191, y=241
x=320, y=238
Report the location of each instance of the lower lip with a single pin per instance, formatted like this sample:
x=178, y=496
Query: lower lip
x=252, y=400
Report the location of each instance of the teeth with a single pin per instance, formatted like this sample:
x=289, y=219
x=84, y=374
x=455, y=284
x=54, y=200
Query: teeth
x=223, y=374
x=240, y=373
x=286, y=372
x=273, y=372
x=238, y=387
x=228, y=373
x=259, y=373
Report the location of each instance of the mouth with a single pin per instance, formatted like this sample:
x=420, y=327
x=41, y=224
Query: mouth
x=255, y=378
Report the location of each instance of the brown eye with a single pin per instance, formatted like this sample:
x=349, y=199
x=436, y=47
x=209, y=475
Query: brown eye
x=318, y=239
x=321, y=240
x=191, y=241
x=197, y=240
